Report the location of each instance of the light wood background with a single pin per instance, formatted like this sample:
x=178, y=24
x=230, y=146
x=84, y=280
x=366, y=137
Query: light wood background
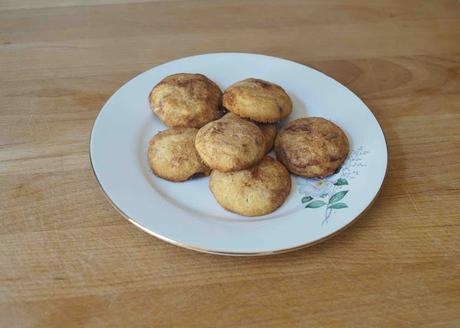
x=67, y=258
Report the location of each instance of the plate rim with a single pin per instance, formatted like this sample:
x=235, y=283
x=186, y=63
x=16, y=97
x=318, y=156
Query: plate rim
x=225, y=253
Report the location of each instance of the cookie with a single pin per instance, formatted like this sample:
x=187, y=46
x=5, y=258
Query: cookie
x=269, y=131
x=172, y=155
x=186, y=100
x=230, y=144
x=312, y=147
x=257, y=100
x=256, y=191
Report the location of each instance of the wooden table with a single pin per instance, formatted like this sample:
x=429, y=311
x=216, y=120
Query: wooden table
x=68, y=259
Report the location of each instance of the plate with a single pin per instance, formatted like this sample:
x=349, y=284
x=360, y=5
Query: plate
x=186, y=214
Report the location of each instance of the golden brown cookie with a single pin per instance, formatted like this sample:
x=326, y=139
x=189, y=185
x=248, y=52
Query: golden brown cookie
x=231, y=115
x=230, y=144
x=269, y=131
x=258, y=100
x=312, y=147
x=172, y=155
x=186, y=100
x=256, y=191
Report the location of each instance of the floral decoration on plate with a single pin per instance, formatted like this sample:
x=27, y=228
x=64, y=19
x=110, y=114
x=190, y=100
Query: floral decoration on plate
x=330, y=193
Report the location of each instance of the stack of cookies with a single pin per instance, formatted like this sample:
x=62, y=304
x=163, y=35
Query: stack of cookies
x=229, y=135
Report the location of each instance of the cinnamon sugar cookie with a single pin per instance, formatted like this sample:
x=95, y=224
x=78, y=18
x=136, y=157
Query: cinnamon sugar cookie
x=312, y=147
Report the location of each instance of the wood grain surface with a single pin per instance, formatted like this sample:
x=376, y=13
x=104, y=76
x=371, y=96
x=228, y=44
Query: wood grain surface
x=67, y=259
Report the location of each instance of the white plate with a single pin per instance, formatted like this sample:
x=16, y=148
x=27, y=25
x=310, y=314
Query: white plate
x=186, y=214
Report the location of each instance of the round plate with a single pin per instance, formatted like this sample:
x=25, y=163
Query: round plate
x=186, y=214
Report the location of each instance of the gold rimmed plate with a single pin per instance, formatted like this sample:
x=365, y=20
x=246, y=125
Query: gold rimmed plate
x=186, y=214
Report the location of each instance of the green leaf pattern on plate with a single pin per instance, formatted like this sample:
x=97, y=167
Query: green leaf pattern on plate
x=338, y=196
x=315, y=204
x=306, y=199
x=341, y=182
x=328, y=193
x=337, y=206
